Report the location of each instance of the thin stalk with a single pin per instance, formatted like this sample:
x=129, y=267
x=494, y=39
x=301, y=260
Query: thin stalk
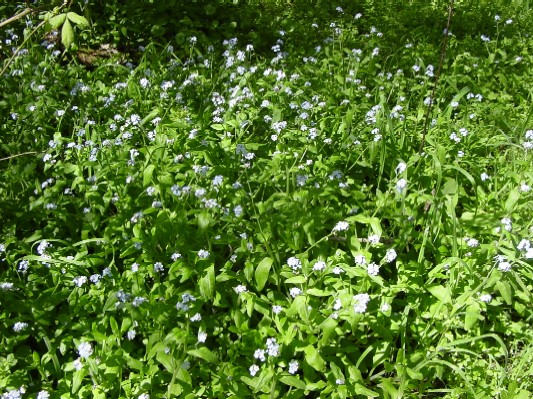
x=431, y=98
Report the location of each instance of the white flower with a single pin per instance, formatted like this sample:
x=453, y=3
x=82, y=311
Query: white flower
x=523, y=245
x=43, y=395
x=293, y=366
x=507, y=224
x=504, y=266
x=401, y=185
x=143, y=396
x=529, y=253
x=144, y=83
x=131, y=334
x=294, y=263
x=361, y=301
x=341, y=226
x=272, y=347
x=78, y=365
x=360, y=259
x=240, y=289
x=158, y=267
x=259, y=354
x=484, y=176
x=390, y=255
x=138, y=301
x=373, y=269
x=80, y=280
x=202, y=336
x=485, y=298
x=525, y=188
x=203, y=254
x=5, y=286
x=319, y=266
x=254, y=368
x=196, y=317
x=337, y=304
x=385, y=307
x=472, y=242
x=339, y=381
x=277, y=309
x=295, y=291
x=85, y=350
x=373, y=239
x=337, y=270
x=19, y=326
x=43, y=245
x=401, y=168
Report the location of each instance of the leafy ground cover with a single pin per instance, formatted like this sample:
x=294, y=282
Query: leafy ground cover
x=212, y=222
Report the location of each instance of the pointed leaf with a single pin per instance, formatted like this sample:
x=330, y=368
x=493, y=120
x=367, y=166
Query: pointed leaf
x=57, y=21
x=314, y=359
x=261, y=273
x=147, y=175
x=441, y=293
x=77, y=19
x=67, y=34
x=471, y=316
x=166, y=360
x=505, y=290
x=203, y=353
x=293, y=382
x=296, y=280
x=207, y=283
x=514, y=196
x=78, y=379
x=361, y=390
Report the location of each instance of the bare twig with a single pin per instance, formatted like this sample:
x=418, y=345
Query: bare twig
x=18, y=155
x=14, y=18
x=442, y=55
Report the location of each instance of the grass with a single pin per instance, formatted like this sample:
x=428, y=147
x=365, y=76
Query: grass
x=216, y=221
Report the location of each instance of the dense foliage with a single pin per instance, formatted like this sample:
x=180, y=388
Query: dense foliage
x=196, y=209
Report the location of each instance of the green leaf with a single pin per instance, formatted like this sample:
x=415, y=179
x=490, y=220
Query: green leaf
x=261, y=273
x=57, y=21
x=472, y=316
x=150, y=116
x=207, y=283
x=415, y=375
x=77, y=19
x=388, y=387
x=514, y=196
x=317, y=292
x=166, y=360
x=147, y=175
x=204, y=220
x=505, y=290
x=204, y=353
x=67, y=34
x=114, y=326
x=314, y=359
x=328, y=328
x=441, y=293
x=296, y=280
x=293, y=382
x=77, y=379
x=362, y=390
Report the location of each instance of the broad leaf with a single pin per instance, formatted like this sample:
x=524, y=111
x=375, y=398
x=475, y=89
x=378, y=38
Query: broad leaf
x=261, y=273
x=67, y=34
x=77, y=19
